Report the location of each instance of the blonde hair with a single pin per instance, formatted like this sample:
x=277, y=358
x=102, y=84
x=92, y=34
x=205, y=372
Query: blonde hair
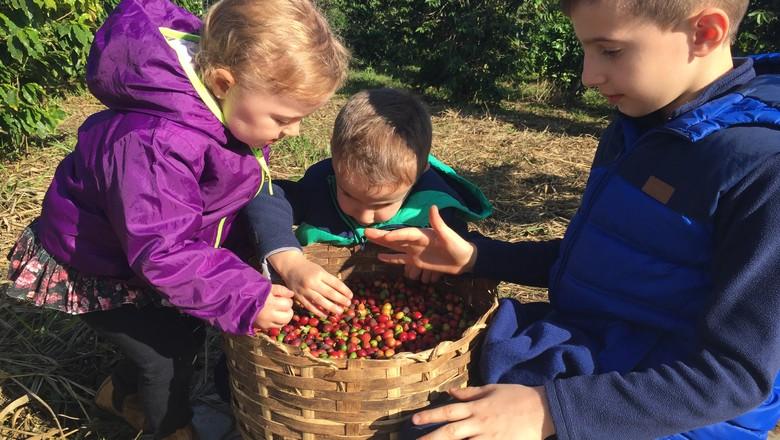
x=277, y=46
x=667, y=13
x=382, y=136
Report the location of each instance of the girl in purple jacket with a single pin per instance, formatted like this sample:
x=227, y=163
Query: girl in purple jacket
x=131, y=232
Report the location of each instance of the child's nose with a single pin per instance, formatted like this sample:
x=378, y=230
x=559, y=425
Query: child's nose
x=293, y=129
x=591, y=76
x=365, y=217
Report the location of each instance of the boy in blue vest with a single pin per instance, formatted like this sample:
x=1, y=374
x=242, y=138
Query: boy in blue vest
x=665, y=289
x=381, y=174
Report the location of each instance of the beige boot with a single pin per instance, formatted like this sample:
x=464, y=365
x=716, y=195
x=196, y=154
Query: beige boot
x=132, y=409
x=186, y=433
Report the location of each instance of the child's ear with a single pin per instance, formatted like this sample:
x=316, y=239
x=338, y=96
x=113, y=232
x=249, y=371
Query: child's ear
x=711, y=29
x=219, y=81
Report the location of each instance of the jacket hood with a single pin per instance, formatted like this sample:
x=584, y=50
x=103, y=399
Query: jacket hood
x=475, y=205
x=131, y=67
x=767, y=68
x=766, y=63
x=748, y=95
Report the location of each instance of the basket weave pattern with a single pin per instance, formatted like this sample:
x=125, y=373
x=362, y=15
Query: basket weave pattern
x=281, y=392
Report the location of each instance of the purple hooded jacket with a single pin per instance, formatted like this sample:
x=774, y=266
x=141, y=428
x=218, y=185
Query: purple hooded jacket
x=155, y=182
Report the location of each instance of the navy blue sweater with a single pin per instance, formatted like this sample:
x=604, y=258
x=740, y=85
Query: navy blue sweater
x=671, y=271
x=311, y=201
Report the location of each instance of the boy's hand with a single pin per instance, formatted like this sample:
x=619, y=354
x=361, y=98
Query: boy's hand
x=436, y=249
x=277, y=310
x=424, y=276
x=493, y=411
x=315, y=288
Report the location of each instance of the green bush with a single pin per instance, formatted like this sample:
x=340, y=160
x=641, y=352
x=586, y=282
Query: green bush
x=197, y=7
x=760, y=28
x=462, y=48
x=43, y=51
x=547, y=48
x=467, y=50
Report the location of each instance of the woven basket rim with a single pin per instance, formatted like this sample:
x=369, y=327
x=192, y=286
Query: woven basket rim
x=422, y=356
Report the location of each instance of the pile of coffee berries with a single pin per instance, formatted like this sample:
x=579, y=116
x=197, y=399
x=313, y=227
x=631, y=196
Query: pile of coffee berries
x=385, y=318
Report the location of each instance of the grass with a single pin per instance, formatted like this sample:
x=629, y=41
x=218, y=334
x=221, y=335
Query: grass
x=530, y=158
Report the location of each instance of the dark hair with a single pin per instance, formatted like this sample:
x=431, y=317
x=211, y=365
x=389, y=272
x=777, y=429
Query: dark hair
x=666, y=13
x=382, y=135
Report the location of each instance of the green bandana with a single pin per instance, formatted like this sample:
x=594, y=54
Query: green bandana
x=413, y=212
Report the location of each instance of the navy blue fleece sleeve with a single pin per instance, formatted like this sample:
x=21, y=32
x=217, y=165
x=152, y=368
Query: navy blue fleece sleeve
x=525, y=262
x=271, y=218
x=739, y=357
x=454, y=219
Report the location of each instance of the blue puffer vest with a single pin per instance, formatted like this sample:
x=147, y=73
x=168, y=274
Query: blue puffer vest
x=636, y=262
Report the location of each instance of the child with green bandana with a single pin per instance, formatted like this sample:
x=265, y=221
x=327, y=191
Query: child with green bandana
x=381, y=175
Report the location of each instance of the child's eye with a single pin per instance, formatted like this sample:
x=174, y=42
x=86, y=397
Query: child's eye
x=610, y=53
x=343, y=193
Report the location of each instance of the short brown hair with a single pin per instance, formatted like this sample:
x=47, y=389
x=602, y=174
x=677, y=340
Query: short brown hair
x=277, y=46
x=383, y=136
x=667, y=13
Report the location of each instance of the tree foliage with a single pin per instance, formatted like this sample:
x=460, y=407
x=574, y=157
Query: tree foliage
x=466, y=49
x=547, y=47
x=760, y=29
x=469, y=49
x=463, y=49
x=43, y=52
x=43, y=49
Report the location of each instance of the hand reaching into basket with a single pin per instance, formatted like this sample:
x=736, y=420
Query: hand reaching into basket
x=504, y=411
x=315, y=288
x=277, y=310
x=423, y=252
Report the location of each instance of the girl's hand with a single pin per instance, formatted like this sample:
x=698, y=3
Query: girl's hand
x=493, y=411
x=315, y=288
x=277, y=310
x=435, y=249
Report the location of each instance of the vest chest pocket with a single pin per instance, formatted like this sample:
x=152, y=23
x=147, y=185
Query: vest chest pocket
x=634, y=248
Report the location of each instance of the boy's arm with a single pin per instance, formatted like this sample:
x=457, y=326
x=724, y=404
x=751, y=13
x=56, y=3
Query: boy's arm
x=739, y=357
x=454, y=220
x=440, y=249
x=524, y=262
x=271, y=218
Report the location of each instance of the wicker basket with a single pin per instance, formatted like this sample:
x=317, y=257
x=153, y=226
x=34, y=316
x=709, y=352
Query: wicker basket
x=281, y=392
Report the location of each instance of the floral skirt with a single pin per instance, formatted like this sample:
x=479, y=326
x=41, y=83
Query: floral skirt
x=38, y=279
